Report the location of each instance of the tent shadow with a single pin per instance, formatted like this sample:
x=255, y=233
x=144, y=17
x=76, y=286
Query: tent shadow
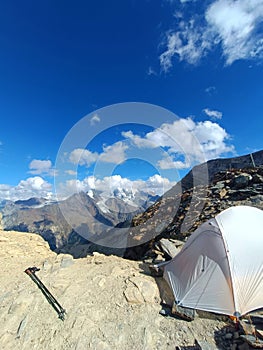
x=224, y=337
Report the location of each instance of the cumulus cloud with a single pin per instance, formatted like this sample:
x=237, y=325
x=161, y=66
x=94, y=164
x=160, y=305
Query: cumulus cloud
x=108, y=185
x=31, y=187
x=212, y=138
x=5, y=191
x=82, y=156
x=159, y=184
x=94, y=119
x=214, y=114
x=180, y=144
x=193, y=141
x=38, y=167
x=138, y=141
x=114, y=153
x=234, y=25
x=168, y=162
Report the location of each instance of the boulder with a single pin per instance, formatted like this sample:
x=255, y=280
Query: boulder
x=241, y=181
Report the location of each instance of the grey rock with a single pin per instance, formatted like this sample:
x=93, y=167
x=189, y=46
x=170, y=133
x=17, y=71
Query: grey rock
x=205, y=345
x=21, y=327
x=66, y=261
x=229, y=336
x=183, y=312
x=257, y=200
x=241, y=181
x=257, y=178
x=168, y=247
x=243, y=346
x=218, y=186
x=236, y=335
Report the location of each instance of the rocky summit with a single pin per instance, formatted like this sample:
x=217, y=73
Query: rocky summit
x=110, y=303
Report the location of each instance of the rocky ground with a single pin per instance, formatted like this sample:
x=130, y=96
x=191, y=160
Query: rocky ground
x=111, y=303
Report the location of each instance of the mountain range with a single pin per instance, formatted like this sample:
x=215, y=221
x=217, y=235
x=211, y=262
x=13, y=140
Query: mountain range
x=88, y=213
x=138, y=219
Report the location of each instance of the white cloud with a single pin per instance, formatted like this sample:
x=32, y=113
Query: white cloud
x=210, y=90
x=114, y=153
x=187, y=44
x=177, y=145
x=32, y=187
x=72, y=186
x=234, y=25
x=138, y=141
x=176, y=136
x=5, y=191
x=94, y=119
x=155, y=184
x=159, y=184
x=212, y=138
x=151, y=71
x=38, y=167
x=83, y=156
x=186, y=142
x=214, y=114
x=168, y=162
x=36, y=183
x=71, y=172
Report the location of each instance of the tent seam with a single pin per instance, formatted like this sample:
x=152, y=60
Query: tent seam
x=221, y=226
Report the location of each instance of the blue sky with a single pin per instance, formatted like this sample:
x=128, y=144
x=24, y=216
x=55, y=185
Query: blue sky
x=60, y=62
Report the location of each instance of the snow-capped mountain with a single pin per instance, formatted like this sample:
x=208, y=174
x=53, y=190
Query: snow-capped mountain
x=60, y=222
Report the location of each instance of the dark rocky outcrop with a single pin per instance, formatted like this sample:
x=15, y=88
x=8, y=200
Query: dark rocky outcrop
x=207, y=190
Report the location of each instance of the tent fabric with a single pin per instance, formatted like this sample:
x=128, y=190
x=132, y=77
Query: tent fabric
x=220, y=267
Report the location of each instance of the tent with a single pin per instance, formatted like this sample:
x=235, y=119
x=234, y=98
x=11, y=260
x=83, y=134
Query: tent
x=220, y=268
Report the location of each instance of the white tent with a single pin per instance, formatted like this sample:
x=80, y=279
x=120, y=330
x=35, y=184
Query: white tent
x=220, y=268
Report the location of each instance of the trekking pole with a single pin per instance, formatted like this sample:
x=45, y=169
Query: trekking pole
x=31, y=272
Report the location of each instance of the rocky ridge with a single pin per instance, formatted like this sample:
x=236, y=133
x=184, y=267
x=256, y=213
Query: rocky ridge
x=193, y=207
